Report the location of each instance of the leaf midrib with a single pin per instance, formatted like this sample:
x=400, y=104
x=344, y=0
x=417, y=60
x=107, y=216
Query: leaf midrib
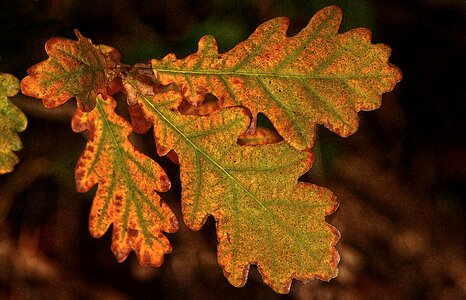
x=272, y=74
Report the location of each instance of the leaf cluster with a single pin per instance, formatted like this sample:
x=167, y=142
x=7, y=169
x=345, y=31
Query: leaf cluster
x=244, y=175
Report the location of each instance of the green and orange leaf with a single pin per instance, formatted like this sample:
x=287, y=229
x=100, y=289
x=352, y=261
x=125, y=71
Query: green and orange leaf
x=128, y=182
x=12, y=121
x=318, y=76
x=264, y=215
x=74, y=69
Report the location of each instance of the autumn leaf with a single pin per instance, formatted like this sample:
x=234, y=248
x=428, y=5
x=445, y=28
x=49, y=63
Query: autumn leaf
x=128, y=182
x=12, y=120
x=264, y=215
x=317, y=76
x=74, y=69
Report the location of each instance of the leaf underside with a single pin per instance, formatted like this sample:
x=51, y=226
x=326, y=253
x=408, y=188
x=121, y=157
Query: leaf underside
x=263, y=217
x=128, y=182
x=12, y=121
x=73, y=69
x=317, y=76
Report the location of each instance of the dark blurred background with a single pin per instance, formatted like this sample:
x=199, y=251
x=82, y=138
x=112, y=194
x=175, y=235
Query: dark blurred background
x=400, y=179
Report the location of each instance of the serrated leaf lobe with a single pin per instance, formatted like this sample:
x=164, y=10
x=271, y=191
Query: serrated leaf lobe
x=128, y=185
x=317, y=76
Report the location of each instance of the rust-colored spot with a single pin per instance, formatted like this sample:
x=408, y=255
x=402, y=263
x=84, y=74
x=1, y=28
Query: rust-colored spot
x=132, y=233
x=138, y=121
x=147, y=258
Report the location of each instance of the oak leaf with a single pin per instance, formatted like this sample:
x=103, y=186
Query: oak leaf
x=264, y=215
x=74, y=69
x=12, y=121
x=128, y=182
x=317, y=76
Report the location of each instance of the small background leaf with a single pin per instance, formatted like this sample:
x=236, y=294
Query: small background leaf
x=12, y=120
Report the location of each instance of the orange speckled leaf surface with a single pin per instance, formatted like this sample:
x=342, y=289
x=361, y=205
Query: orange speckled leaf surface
x=317, y=76
x=74, y=69
x=128, y=182
x=264, y=215
x=12, y=121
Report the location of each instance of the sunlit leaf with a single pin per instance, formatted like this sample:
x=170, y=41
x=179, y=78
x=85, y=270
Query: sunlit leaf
x=12, y=121
x=264, y=215
x=74, y=69
x=317, y=76
x=128, y=182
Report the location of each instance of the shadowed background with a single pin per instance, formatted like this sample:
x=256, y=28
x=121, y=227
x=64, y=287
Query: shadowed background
x=400, y=179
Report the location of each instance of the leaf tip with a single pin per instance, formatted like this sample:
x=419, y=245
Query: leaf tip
x=208, y=41
x=120, y=255
x=332, y=9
